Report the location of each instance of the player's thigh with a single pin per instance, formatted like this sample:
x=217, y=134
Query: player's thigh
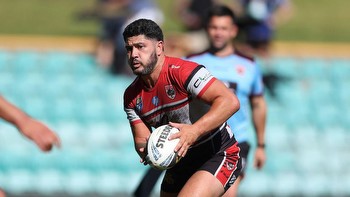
x=233, y=190
x=202, y=184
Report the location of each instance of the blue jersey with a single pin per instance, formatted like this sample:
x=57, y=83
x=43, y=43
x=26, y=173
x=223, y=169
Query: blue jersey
x=243, y=76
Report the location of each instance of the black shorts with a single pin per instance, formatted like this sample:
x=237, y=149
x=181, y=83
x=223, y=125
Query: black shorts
x=219, y=156
x=245, y=147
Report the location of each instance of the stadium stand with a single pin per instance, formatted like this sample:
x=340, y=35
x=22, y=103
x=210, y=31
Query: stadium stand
x=307, y=131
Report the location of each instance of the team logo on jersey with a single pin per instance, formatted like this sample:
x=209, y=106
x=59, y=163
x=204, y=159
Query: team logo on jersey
x=240, y=69
x=139, y=103
x=229, y=166
x=155, y=100
x=170, y=91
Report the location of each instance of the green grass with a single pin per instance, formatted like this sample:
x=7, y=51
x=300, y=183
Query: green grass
x=317, y=20
x=312, y=20
x=45, y=17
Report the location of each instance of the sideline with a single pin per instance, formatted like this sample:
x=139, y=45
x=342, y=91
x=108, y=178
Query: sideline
x=42, y=43
x=311, y=49
x=88, y=44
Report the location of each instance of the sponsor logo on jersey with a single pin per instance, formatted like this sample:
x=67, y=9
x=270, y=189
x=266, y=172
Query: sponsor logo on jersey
x=174, y=66
x=199, y=80
x=155, y=100
x=139, y=104
x=170, y=91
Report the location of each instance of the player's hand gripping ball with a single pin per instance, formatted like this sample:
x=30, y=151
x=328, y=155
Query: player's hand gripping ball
x=161, y=154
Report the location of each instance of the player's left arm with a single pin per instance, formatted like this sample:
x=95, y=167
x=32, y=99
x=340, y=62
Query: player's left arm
x=259, y=110
x=34, y=130
x=223, y=105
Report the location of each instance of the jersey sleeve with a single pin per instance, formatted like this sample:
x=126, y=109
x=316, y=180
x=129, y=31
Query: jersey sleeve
x=129, y=108
x=199, y=81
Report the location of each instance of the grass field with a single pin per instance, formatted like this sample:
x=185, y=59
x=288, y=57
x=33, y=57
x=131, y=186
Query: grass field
x=312, y=20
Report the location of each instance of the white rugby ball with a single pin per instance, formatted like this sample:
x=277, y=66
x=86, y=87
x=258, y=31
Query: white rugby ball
x=160, y=149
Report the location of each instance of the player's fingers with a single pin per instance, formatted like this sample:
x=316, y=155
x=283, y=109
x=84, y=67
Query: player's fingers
x=178, y=146
x=147, y=160
x=184, y=153
x=181, y=142
x=175, y=135
x=45, y=147
x=57, y=141
x=258, y=164
x=48, y=143
x=183, y=150
x=176, y=125
x=142, y=149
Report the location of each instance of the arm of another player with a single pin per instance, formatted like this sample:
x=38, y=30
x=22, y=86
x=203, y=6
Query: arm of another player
x=223, y=105
x=259, y=110
x=34, y=130
x=141, y=134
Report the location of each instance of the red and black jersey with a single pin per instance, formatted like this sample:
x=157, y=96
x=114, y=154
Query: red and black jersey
x=175, y=96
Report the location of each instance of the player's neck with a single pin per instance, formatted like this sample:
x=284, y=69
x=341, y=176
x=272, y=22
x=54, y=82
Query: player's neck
x=222, y=52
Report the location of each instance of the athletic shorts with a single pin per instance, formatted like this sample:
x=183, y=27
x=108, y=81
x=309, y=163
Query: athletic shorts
x=219, y=156
x=244, y=150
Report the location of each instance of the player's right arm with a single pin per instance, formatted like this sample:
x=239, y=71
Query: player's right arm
x=139, y=129
x=140, y=134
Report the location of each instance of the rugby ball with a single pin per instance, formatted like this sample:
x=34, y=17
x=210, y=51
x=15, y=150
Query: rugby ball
x=161, y=153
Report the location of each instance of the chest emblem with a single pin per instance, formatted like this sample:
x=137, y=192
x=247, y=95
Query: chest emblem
x=155, y=100
x=170, y=91
x=139, y=104
x=240, y=70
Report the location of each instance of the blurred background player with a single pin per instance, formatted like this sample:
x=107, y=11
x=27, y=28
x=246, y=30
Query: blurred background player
x=114, y=15
x=242, y=76
x=191, y=14
x=32, y=129
x=257, y=21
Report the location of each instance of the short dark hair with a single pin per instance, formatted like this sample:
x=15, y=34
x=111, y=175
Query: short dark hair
x=220, y=10
x=145, y=27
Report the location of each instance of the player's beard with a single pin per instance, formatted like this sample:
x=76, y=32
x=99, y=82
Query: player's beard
x=149, y=66
x=219, y=46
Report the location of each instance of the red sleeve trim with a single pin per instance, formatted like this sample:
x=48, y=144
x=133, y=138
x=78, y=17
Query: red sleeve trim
x=135, y=122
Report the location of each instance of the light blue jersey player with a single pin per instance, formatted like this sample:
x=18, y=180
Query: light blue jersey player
x=243, y=76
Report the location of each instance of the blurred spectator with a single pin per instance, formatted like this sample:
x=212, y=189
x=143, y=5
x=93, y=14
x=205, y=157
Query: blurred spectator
x=114, y=15
x=257, y=23
x=192, y=14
